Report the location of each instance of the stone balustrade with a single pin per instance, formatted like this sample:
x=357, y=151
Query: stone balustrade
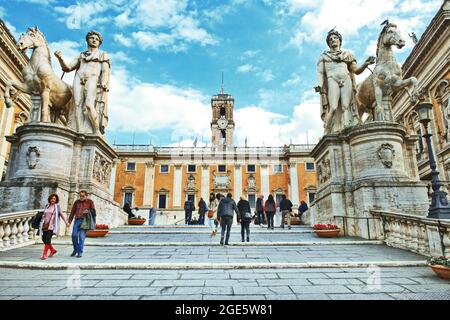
x=16, y=230
x=412, y=233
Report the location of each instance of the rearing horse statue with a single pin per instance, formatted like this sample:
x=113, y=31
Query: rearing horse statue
x=374, y=93
x=40, y=79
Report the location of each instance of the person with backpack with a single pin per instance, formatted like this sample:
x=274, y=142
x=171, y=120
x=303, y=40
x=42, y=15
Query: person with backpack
x=286, y=208
x=260, y=210
x=302, y=209
x=188, y=209
x=245, y=217
x=269, y=208
x=50, y=223
x=225, y=212
x=202, y=209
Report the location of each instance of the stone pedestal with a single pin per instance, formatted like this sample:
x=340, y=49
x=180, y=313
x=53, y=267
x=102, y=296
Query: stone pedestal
x=368, y=167
x=48, y=158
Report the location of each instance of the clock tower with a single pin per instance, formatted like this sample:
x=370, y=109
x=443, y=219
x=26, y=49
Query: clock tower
x=222, y=124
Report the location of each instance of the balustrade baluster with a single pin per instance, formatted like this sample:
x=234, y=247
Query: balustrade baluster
x=6, y=240
x=19, y=236
x=2, y=233
x=414, y=237
x=13, y=236
x=26, y=228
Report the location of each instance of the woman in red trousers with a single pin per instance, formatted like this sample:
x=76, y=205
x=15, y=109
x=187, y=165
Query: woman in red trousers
x=50, y=224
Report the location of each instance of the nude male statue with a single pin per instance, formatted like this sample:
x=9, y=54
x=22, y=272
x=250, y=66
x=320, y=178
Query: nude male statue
x=91, y=83
x=336, y=70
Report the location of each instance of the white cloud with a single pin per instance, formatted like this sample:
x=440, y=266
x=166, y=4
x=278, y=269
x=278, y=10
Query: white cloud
x=266, y=75
x=183, y=111
x=245, y=68
x=123, y=40
x=70, y=50
x=294, y=80
x=120, y=56
x=263, y=127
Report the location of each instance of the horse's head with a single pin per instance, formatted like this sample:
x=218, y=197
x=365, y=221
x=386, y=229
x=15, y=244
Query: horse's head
x=391, y=36
x=30, y=40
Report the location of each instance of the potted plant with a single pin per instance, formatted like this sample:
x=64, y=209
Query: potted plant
x=136, y=221
x=441, y=266
x=326, y=230
x=100, y=231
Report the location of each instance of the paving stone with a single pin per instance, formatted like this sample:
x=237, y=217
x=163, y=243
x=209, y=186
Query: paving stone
x=438, y=288
x=29, y=291
x=106, y=277
x=92, y=298
x=320, y=289
x=308, y=275
x=178, y=283
x=281, y=297
x=421, y=296
x=257, y=297
x=174, y=297
x=280, y=289
x=249, y=290
x=376, y=296
x=124, y=283
x=376, y=289
x=87, y=292
x=67, y=283
x=150, y=291
x=334, y=281
x=150, y=276
x=47, y=298
x=279, y=282
x=313, y=296
x=4, y=298
x=21, y=283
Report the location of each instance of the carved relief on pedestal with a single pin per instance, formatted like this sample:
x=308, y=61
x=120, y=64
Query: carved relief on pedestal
x=386, y=154
x=324, y=170
x=33, y=155
x=101, y=171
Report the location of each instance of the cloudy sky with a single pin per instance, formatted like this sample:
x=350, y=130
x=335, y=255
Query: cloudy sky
x=168, y=57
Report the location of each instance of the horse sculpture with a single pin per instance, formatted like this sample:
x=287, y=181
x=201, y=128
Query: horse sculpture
x=40, y=79
x=374, y=93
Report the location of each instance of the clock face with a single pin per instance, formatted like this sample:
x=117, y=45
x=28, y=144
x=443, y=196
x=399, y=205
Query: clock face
x=222, y=123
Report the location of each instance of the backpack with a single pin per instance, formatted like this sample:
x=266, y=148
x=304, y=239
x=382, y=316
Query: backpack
x=270, y=206
x=247, y=216
x=37, y=220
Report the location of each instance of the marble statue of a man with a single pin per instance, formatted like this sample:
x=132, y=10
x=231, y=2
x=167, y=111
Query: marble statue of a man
x=90, y=85
x=336, y=75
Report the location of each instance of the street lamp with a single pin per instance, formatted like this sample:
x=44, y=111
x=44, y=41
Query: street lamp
x=440, y=207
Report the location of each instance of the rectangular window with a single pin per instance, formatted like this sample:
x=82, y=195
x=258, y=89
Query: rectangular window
x=278, y=168
x=252, y=200
x=191, y=168
x=251, y=168
x=131, y=166
x=164, y=168
x=278, y=200
x=222, y=168
x=128, y=198
x=310, y=166
x=162, y=201
x=311, y=196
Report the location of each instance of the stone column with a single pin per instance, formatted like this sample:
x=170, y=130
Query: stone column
x=112, y=182
x=293, y=183
x=265, y=185
x=6, y=121
x=237, y=182
x=177, y=192
x=205, y=182
x=149, y=180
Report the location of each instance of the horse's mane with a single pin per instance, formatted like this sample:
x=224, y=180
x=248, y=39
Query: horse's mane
x=46, y=44
x=386, y=26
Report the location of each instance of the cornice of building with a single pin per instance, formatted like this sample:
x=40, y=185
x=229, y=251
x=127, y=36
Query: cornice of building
x=439, y=27
x=9, y=45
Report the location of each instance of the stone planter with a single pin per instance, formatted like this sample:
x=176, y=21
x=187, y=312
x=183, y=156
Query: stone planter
x=96, y=233
x=136, y=222
x=327, y=233
x=442, y=271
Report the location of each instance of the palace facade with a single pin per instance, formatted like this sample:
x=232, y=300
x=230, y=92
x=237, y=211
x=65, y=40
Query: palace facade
x=11, y=63
x=429, y=62
x=163, y=177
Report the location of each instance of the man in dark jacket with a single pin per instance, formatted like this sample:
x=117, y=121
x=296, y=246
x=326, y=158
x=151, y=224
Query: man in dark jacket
x=245, y=217
x=188, y=208
x=286, y=208
x=225, y=212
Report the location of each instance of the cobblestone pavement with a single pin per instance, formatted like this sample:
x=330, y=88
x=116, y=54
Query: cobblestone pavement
x=290, y=283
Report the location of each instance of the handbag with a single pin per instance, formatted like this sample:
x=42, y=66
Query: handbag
x=248, y=216
x=210, y=214
x=37, y=220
